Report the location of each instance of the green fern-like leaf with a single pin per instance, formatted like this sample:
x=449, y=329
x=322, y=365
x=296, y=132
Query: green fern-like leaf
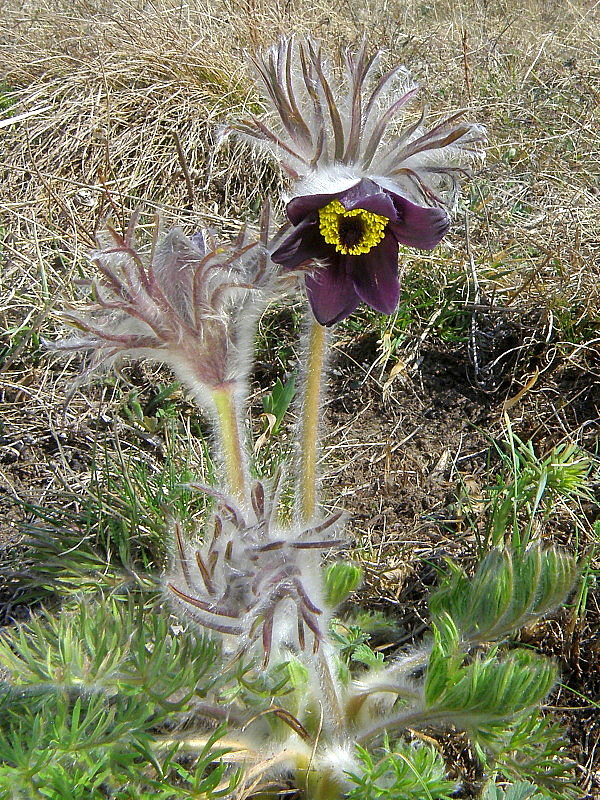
x=105, y=646
x=479, y=694
x=508, y=591
x=364, y=655
x=87, y=696
x=523, y=790
x=534, y=749
x=404, y=772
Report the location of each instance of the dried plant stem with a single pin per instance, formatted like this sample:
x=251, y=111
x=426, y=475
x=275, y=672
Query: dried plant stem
x=229, y=430
x=309, y=422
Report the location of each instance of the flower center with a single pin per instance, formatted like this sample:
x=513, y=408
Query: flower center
x=351, y=232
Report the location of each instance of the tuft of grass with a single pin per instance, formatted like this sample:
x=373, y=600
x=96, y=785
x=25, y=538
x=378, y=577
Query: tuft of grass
x=530, y=487
x=6, y=99
x=115, y=535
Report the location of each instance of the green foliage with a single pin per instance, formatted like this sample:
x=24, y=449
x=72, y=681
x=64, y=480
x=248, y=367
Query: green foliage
x=7, y=96
x=276, y=341
x=270, y=450
x=352, y=649
x=347, y=638
x=493, y=694
x=108, y=646
x=298, y=673
x=518, y=791
x=278, y=400
x=534, y=749
x=254, y=686
x=207, y=778
x=364, y=655
x=40, y=746
x=341, y=579
x=588, y=583
x=495, y=698
x=97, y=748
x=529, y=485
x=578, y=322
x=406, y=772
x=155, y=414
x=509, y=590
x=434, y=302
x=375, y=623
x=114, y=538
x=90, y=691
x=485, y=693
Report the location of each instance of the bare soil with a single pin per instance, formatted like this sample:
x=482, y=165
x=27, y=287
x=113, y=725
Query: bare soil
x=416, y=450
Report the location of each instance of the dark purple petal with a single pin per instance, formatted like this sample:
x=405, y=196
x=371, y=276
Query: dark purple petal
x=301, y=207
x=331, y=293
x=336, y=289
x=379, y=203
x=369, y=196
x=375, y=275
x=418, y=226
x=303, y=244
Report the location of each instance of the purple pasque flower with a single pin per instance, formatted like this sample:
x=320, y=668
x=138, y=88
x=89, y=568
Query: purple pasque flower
x=362, y=183
x=354, y=234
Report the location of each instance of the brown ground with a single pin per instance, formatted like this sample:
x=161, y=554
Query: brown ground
x=400, y=459
x=415, y=450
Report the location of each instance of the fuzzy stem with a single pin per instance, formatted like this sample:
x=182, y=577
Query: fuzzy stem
x=333, y=715
x=309, y=425
x=461, y=720
x=224, y=401
x=356, y=702
x=416, y=719
x=237, y=751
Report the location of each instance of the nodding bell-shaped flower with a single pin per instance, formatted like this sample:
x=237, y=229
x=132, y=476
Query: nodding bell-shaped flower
x=185, y=302
x=362, y=186
x=252, y=581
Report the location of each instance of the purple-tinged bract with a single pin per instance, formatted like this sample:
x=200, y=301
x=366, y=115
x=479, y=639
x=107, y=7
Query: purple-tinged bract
x=185, y=302
x=252, y=581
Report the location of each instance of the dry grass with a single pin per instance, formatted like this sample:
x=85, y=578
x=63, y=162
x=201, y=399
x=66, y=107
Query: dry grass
x=124, y=100
x=109, y=105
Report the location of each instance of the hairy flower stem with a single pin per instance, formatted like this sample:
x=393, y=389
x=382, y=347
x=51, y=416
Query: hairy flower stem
x=410, y=719
x=332, y=708
x=236, y=750
x=355, y=703
x=235, y=466
x=307, y=498
x=309, y=423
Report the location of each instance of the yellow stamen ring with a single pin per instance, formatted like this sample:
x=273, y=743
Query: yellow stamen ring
x=351, y=237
